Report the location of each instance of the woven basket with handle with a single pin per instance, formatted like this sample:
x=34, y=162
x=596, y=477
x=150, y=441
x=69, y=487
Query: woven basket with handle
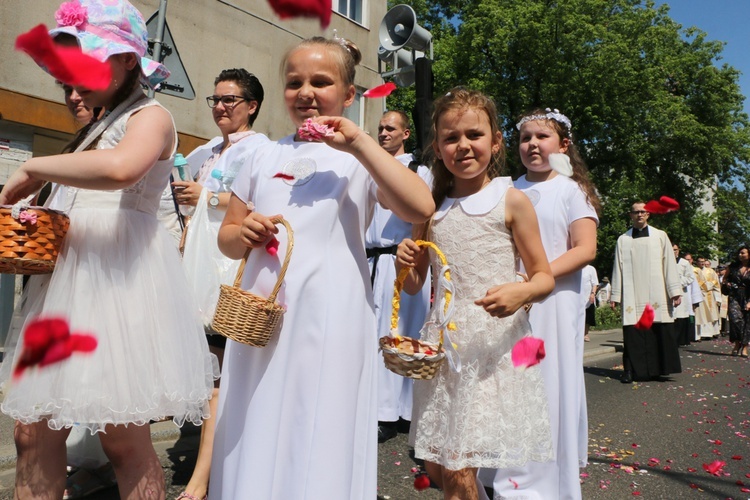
x=31, y=248
x=248, y=318
x=406, y=356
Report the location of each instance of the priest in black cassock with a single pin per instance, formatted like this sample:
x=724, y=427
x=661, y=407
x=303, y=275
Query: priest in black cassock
x=645, y=272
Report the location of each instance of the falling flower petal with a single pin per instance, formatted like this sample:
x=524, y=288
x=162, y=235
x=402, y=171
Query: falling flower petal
x=560, y=163
x=655, y=207
x=303, y=8
x=647, y=318
x=68, y=64
x=421, y=482
x=670, y=203
x=527, y=352
x=47, y=341
x=381, y=90
x=314, y=131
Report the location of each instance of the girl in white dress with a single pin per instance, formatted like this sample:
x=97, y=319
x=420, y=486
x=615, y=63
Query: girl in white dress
x=489, y=414
x=118, y=276
x=297, y=418
x=566, y=203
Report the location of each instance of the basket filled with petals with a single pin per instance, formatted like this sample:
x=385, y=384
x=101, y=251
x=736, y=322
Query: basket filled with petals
x=416, y=358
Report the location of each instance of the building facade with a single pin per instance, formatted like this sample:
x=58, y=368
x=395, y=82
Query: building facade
x=209, y=35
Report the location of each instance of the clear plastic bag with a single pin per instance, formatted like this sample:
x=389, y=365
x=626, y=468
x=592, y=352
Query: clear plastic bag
x=206, y=267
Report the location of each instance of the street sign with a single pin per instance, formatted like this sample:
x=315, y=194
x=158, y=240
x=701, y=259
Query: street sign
x=178, y=84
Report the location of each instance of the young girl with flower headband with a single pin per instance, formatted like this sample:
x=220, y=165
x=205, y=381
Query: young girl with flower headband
x=118, y=277
x=488, y=414
x=298, y=418
x=557, y=183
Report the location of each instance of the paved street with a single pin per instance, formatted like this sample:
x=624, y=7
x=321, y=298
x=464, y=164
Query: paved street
x=647, y=439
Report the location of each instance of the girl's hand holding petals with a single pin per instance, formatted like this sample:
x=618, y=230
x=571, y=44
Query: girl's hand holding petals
x=504, y=300
x=257, y=230
x=345, y=132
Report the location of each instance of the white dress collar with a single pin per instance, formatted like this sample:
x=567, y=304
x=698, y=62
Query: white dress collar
x=478, y=203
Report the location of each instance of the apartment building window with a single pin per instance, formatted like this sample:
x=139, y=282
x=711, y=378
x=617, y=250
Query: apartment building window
x=350, y=8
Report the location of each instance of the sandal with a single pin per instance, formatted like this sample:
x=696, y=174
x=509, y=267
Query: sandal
x=84, y=482
x=188, y=496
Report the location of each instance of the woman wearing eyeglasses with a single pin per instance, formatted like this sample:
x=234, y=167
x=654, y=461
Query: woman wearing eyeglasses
x=235, y=105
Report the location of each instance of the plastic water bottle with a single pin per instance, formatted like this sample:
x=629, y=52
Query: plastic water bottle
x=227, y=176
x=181, y=172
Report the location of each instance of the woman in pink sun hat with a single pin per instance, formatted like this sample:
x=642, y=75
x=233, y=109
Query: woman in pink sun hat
x=118, y=277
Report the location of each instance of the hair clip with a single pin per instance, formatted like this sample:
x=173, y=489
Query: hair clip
x=550, y=115
x=339, y=40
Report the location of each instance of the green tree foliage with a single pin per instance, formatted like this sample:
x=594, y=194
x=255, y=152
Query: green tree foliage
x=653, y=114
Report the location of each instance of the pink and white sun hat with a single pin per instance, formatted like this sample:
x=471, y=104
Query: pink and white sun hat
x=108, y=27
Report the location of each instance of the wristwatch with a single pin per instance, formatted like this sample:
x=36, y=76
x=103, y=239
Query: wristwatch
x=213, y=201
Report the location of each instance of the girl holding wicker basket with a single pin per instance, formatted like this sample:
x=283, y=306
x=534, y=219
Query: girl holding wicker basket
x=118, y=274
x=298, y=417
x=488, y=414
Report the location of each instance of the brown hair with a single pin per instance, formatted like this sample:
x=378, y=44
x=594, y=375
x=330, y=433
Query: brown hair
x=461, y=99
x=580, y=171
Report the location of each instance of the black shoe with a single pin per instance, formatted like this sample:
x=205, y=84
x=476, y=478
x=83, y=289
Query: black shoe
x=386, y=431
x=402, y=426
x=627, y=378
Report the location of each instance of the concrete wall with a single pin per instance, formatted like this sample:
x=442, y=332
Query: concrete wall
x=210, y=35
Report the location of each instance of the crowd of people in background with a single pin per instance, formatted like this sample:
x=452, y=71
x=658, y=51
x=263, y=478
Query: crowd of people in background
x=302, y=417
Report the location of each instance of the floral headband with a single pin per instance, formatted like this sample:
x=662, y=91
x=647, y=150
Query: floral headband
x=552, y=114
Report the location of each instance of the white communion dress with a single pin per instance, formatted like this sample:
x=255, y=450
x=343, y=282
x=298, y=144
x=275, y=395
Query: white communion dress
x=491, y=414
x=298, y=418
x=118, y=277
x=559, y=321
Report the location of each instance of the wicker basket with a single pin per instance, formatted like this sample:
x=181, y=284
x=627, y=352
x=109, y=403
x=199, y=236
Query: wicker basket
x=27, y=248
x=409, y=357
x=248, y=318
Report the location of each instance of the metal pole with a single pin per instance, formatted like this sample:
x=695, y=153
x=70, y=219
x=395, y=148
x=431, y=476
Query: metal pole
x=159, y=38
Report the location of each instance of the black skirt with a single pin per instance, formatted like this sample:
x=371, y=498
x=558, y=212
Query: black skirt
x=651, y=353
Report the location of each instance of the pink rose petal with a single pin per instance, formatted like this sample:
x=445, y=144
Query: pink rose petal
x=527, y=352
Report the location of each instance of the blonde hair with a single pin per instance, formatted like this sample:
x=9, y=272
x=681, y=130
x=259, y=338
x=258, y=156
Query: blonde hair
x=462, y=99
x=346, y=53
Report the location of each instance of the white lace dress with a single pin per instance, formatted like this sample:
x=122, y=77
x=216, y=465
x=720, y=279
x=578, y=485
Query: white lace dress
x=490, y=414
x=118, y=277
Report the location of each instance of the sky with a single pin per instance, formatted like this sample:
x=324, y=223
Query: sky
x=722, y=20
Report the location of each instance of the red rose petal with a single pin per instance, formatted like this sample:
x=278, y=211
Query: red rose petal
x=647, y=318
x=421, y=482
x=303, y=8
x=655, y=207
x=68, y=64
x=381, y=90
x=670, y=203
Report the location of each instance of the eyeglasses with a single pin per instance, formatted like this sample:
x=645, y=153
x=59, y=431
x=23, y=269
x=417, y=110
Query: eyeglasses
x=638, y=212
x=229, y=100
